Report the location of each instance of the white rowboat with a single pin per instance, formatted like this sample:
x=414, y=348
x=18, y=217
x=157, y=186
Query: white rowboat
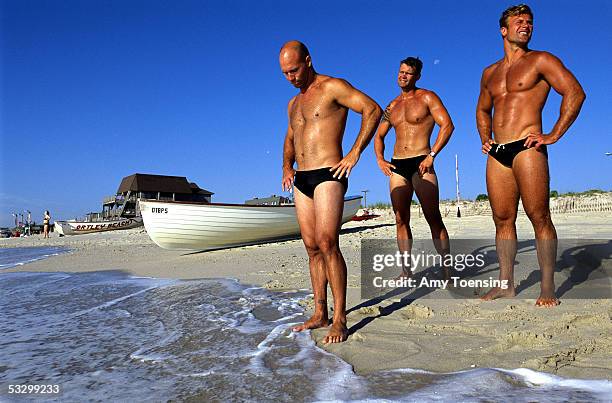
x=72, y=227
x=206, y=226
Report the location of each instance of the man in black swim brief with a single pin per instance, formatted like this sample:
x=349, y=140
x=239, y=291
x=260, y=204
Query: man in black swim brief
x=307, y=181
x=513, y=93
x=407, y=166
x=505, y=153
x=413, y=115
x=317, y=119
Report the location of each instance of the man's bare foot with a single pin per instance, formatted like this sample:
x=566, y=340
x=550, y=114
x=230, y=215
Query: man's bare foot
x=547, y=299
x=497, y=292
x=312, y=323
x=337, y=333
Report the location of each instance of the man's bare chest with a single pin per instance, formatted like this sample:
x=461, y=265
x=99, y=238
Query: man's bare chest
x=412, y=112
x=514, y=80
x=313, y=107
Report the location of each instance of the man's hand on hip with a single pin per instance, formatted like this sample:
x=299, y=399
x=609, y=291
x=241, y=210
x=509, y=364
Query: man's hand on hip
x=487, y=146
x=343, y=168
x=539, y=139
x=385, y=166
x=426, y=165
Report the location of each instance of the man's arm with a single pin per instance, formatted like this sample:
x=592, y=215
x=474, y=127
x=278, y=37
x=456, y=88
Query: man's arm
x=484, y=110
x=379, y=141
x=566, y=85
x=288, y=154
x=442, y=119
x=359, y=102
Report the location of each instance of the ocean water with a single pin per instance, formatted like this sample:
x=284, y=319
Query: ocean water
x=11, y=257
x=109, y=336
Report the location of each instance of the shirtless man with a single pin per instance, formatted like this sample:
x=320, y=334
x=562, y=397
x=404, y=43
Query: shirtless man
x=516, y=88
x=413, y=115
x=317, y=117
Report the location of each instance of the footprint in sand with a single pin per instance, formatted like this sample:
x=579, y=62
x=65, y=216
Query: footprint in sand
x=522, y=340
x=416, y=311
x=358, y=337
x=370, y=310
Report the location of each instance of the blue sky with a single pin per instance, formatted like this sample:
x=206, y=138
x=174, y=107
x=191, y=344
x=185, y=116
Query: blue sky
x=93, y=91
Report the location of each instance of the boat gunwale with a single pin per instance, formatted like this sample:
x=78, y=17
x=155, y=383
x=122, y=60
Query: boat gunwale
x=98, y=222
x=346, y=199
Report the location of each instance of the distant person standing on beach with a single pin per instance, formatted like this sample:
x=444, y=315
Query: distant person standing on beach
x=317, y=117
x=29, y=222
x=46, y=221
x=413, y=115
x=516, y=88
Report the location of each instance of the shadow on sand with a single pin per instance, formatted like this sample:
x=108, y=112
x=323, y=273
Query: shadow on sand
x=577, y=263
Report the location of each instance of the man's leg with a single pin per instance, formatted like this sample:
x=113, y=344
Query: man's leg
x=503, y=197
x=531, y=172
x=328, y=206
x=304, y=206
x=401, y=198
x=426, y=189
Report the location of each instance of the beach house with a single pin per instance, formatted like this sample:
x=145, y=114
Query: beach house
x=152, y=187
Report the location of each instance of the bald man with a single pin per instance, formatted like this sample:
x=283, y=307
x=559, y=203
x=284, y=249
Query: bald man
x=317, y=118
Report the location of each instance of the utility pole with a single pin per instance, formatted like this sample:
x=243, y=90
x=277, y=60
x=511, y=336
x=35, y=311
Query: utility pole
x=457, y=180
x=365, y=198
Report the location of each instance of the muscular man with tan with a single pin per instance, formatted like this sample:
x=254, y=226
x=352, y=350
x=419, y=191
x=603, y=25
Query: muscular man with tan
x=413, y=115
x=317, y=118
x=513, y=92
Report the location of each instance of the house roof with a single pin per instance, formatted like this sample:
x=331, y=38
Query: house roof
x=198, y=190
x=159, y=183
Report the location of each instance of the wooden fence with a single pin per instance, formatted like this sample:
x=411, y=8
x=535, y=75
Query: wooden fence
x=558, y=205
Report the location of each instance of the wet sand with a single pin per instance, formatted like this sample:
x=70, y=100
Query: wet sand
x=430, y=333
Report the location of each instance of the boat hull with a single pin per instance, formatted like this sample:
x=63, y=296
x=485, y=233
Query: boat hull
x=82, y=227
x=365, y=217
x=199, y=226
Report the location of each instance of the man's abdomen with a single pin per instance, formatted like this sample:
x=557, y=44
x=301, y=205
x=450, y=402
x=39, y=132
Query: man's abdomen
x=517, y=114
x=412, y=140
x=318, y=146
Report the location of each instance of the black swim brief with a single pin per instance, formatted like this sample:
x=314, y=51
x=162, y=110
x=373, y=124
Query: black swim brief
x=307, y=181
x=407, y=166
x=505, y=153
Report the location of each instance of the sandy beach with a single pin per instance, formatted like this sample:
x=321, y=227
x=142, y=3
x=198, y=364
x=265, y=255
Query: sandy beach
x=430, y=333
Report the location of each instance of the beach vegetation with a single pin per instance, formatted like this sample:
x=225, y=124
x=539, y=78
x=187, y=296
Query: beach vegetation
x=380, y=205
x=384, y=205
x=482, y=197
x=590, y=192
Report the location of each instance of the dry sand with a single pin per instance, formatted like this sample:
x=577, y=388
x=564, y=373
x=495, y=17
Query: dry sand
x=431, y=333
